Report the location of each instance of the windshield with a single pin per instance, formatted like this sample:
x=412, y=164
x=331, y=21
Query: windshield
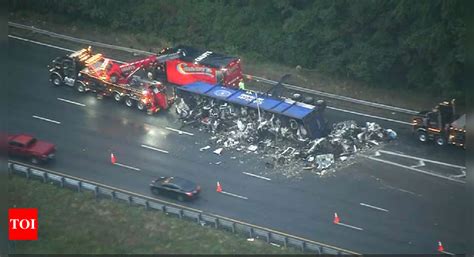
x=31, y=142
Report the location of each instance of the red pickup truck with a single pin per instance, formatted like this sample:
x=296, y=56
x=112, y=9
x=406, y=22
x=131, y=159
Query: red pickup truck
x=29, y=147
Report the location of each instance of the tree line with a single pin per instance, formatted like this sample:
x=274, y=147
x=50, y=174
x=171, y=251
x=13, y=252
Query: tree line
x=385, y=43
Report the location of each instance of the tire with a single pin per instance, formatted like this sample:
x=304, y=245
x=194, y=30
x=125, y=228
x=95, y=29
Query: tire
x=180, y=198
x=117, y=97
x=422, y=136
x=155, y=191
x=440, y=140
x=80, y=87
x=141, y=106
x=34, y=160
x=128, y=102
x=56, y=80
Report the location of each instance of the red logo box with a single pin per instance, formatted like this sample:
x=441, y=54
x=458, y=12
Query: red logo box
x=23, y=224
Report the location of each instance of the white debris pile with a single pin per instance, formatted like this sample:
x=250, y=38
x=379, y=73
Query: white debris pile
x=281, y=142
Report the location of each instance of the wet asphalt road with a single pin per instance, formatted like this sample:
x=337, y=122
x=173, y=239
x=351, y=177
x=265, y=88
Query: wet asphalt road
x=420, y=209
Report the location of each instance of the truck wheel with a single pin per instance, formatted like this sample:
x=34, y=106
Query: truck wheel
x=440, y=140
x=141, y=106
x=56, y=80
x=117, y=97
x=128, y=102
x=80, y=87
x=34, y=160
x=422, y=136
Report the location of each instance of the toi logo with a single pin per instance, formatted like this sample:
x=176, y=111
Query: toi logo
x=23, y=224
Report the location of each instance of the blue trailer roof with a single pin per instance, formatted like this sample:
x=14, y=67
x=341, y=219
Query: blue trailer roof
x=285, y=107
x=197, y=87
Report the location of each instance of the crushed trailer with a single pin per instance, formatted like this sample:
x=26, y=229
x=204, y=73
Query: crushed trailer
x=305, y=120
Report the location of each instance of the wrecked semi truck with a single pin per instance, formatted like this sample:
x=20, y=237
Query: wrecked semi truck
x=215, y=104
x=196, y=65
x=442, y=124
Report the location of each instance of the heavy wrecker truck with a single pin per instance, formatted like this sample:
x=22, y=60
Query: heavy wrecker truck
x=86, y=71
x=441, y=124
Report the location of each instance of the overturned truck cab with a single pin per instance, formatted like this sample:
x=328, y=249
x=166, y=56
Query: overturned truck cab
x=304, y=121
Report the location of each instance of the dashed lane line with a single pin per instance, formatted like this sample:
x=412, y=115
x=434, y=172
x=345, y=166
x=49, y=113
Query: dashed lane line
x=71, y=102
x=234, y=195
x=257, y=176
x=179, y=131
x=126, y=166
x=154, y=148
x=46, y=119
x=374, y=207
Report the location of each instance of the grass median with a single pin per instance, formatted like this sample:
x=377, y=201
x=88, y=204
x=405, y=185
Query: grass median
x=71, y=222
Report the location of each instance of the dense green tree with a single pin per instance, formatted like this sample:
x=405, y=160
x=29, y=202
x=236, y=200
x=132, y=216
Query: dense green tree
x=385, y=43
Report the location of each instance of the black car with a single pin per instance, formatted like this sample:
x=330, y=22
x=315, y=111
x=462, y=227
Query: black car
x=177, y=187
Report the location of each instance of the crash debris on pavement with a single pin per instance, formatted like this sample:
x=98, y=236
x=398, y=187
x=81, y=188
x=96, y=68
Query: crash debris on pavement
x=247, y=132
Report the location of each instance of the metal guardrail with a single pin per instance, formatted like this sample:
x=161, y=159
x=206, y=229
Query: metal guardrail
x=182, y=212
x=249, y=76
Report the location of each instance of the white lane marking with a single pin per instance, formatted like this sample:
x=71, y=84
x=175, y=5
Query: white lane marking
x=371, y=116
x=417, y=170
x=48, y=45
x=373, y=207
x=39, y=43
x=257, y=176
x=126, y=166
x=45, y=119
x=334, y=108
x=420, y=164
x=179, y=131
x=71, y=102
x=448, y=253
x=234, y=195
x=422, y=159
x=349, y=226
x=153, y=148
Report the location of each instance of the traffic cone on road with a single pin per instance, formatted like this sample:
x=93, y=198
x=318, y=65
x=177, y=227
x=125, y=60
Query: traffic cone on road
x=112, y=158
x=219, y=187
x=336, y=219
x=440, y=247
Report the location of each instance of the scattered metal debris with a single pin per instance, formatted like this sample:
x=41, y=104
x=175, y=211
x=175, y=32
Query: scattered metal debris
x=281, y=143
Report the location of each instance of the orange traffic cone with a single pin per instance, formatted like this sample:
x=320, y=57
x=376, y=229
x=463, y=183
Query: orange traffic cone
x=336, y=219
x=440, y=247
x=219, y=187
x=112, y=158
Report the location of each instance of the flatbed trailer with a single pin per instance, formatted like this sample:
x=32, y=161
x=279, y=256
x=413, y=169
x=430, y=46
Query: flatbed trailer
x=86, y=71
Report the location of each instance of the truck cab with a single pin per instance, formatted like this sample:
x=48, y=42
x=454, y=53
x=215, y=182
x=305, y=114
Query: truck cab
x=441, y=125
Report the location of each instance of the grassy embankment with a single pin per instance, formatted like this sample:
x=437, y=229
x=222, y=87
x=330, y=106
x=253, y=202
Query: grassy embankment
x=71, y=222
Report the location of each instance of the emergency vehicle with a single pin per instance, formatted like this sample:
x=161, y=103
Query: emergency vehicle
x=87, y=71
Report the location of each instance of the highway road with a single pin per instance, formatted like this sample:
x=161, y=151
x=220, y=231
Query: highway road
x=391, y=202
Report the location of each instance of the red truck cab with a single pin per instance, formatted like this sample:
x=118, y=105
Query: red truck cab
x=29, y=147
x=203, y=66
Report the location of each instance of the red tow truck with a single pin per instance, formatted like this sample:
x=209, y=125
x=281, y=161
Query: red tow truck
x=201, y=66
x=93, y=72
x=29, y=147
